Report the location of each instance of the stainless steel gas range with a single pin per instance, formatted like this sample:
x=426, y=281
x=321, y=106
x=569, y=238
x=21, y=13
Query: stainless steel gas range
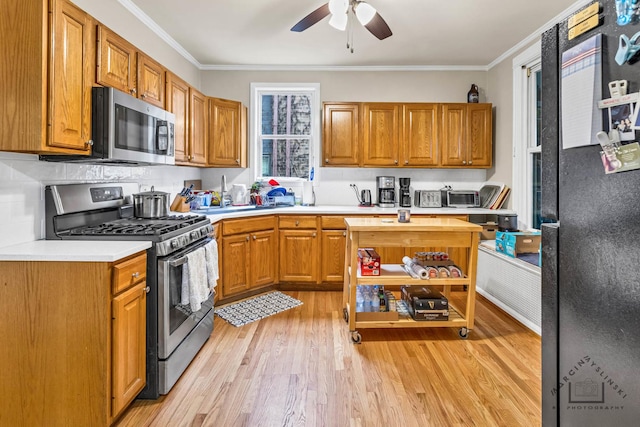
x=104, y=211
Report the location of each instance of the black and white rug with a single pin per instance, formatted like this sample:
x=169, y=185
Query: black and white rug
x=256, y=308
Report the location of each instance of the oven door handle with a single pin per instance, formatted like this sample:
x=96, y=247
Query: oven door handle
x=178, y=262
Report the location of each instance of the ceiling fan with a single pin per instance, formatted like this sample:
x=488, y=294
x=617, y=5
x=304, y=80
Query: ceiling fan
x=340, y=11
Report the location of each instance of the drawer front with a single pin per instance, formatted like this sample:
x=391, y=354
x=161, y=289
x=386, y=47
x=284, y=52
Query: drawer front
x=298, y=221
x=248, y=225
x=129, y=272
x=333, y=223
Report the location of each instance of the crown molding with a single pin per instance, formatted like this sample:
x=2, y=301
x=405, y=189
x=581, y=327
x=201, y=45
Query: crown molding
x=153, y=26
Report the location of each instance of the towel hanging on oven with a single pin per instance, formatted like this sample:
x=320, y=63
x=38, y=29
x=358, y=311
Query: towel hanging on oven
x=211, y=255
x=195, y=286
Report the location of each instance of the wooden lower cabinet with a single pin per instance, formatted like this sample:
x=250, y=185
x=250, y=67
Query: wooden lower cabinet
x=77, y=330
x=332, y=259
x=299, y=254
x=249, y=255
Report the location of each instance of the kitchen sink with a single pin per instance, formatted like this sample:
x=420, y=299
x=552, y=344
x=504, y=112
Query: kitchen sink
x=228, y=209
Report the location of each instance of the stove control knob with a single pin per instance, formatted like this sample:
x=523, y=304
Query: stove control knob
x=174, y=243
x=195, y=235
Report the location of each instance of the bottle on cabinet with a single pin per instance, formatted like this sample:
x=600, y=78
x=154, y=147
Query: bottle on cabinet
x=473, y=96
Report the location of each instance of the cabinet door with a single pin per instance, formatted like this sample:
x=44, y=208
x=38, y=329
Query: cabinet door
x=235, y=259
x=299, y=250
x=381, y=134
x=479, y=135
x=178, y=104
x=340, y=134
x=332, y=259
x=70, y=78
x=197, y=128
x=420, y=135
x=129, y=350
x=264, y=250
x=150, y=82
x=452, y=132
x=116, y=61
x=225, y=133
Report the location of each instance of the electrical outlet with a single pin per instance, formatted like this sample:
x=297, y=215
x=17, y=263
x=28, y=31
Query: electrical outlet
x=144, y=188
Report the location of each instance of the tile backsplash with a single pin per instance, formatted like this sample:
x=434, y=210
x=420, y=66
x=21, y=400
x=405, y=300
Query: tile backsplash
x=23, y=179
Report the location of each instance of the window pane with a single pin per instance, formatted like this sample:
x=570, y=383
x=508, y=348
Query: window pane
x=538, y=106
x=300, y=115
x=267, y=115
x=267, y=157
x=537, y=190
x=291, y=158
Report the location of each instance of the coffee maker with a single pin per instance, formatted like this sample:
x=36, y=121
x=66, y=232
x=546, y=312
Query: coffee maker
x=405, y=195
x=386, y=191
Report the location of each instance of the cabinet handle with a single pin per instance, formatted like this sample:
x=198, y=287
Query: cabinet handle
x=254, y=237
x=470, y=162
x=464, y=162
x=314, y=234
x=237, y=161
x=326, y=160
x=297, y=223
x=147, y=289
x=135, y=275
x=133, y=91
x=344, y=234
x=89, y=143
x=247, y=238
x=143, y=96
x=406, y=162
x=395, y=161
x=189, y=157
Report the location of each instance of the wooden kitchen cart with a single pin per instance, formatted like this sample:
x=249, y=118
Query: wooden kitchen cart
x=418, y=233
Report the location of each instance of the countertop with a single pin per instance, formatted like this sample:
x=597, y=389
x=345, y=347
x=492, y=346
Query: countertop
x=415, y=225
x=72, y=250
x=345, y=210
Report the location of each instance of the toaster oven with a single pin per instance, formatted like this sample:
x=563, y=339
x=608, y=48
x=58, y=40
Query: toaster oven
x=462, y=199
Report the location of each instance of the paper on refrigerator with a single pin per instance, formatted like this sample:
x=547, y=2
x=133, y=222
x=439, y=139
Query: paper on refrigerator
x=581, y=89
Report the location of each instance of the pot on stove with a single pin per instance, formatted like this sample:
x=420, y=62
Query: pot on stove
x=151, y=204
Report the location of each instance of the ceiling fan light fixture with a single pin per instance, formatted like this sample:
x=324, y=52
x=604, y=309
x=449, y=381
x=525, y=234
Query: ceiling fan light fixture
x=339, y=21
x=364, y=12
x=337, y=7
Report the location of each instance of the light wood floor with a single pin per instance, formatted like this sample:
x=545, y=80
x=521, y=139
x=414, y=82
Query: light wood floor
x=299, y=368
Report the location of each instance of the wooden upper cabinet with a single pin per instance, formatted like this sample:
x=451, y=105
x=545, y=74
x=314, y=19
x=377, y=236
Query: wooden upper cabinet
x=150, y=83
x=452, y=135
x=381, y=133
x=46, y=77
x=227, y=133
x=116, y=61
x=419, y=145
x=70, y=78
x=340, y=134
x=178, y=104
x=480, y=135
x=197, y=127
x=466, y=135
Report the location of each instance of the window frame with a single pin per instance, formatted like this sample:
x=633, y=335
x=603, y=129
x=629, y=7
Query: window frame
x=259, y=89
x=523, y=136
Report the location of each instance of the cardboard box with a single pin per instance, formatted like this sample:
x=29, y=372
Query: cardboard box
x=512, y=243
x=425, y=303
x=488, y=231
x=380, y=316
x=368, y=262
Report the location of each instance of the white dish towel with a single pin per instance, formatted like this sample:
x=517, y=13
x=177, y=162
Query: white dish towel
x=195, y=288
x=199, y=275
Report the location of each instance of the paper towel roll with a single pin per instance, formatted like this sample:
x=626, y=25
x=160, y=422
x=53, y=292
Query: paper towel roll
x=415, y=267
x=308, y=198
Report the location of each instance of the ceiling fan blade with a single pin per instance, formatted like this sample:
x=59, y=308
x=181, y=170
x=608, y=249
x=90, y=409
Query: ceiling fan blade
x=378, y=27
x=312, y=18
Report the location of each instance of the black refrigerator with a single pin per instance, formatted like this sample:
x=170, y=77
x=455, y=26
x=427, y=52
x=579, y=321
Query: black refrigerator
x=590, y=250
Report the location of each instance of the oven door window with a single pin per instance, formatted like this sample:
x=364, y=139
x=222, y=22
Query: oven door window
x=175, y=320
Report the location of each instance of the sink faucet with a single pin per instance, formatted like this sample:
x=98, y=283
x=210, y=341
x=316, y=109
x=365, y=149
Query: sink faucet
x=224, y=193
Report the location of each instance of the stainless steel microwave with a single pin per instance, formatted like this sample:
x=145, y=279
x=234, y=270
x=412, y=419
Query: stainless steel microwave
x=126, y=131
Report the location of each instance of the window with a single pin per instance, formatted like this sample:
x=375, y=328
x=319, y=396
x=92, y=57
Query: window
x=527, y=155
x=285, y=129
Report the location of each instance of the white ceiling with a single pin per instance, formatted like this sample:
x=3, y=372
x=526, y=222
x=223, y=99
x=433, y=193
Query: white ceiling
x=219, y=34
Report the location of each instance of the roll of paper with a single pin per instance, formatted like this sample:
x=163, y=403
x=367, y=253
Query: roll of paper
x=415, y=267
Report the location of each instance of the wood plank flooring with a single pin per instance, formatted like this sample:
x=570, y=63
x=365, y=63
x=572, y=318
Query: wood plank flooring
x=299, y=368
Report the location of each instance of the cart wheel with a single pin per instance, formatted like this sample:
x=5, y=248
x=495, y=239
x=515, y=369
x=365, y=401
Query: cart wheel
x=356, y=338
x=463, y=333
x=345, y=314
